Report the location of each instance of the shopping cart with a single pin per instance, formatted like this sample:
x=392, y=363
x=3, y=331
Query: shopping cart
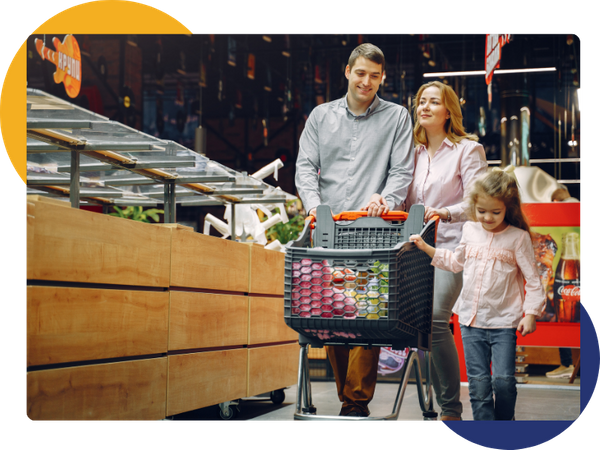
x=357, y=281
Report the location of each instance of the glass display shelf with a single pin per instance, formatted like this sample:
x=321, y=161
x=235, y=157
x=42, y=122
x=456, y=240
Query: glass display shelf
x=75, y=153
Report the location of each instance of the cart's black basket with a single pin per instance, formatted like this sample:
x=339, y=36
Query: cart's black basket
x=361, y=283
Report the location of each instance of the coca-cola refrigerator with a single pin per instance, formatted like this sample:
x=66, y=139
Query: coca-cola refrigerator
x=556, y=241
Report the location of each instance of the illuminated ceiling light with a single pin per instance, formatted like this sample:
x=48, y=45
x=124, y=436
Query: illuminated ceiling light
x=482, y=72
x=266, y=38
x=572, y=143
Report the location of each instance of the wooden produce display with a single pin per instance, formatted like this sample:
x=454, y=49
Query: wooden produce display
x=218, y=317
x=127, y=320
x=271, y=343
x=97, y=315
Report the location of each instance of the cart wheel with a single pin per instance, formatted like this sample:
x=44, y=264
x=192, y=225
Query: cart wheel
x=229, y=413
x=278, y=396
x=430, y=415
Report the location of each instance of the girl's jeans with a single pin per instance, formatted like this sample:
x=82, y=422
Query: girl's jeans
x=496, y=346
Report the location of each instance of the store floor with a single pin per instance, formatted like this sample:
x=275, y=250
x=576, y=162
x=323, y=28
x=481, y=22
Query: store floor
x=556, y=401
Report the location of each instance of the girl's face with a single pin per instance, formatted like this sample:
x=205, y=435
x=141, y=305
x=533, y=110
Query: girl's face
x=490, y=212
x=431, y=112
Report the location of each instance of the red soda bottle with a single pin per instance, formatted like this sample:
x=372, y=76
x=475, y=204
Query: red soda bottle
x=566, y=280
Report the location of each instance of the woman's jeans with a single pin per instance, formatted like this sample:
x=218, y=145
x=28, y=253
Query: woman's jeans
x=445, y=374
x=496, y=346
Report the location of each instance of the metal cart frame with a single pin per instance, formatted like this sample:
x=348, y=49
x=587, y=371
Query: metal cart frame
x=411, y=338
x=305, y=410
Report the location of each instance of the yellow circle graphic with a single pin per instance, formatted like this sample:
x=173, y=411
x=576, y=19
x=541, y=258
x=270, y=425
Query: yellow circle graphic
x=83, y=17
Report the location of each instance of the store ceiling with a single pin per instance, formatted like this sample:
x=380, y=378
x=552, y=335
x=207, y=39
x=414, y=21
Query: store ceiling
x=407, y=57
x=287, y=67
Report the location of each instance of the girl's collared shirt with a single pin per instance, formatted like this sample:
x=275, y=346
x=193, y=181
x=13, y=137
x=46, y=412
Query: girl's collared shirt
x=495, y=266
x=442, y=183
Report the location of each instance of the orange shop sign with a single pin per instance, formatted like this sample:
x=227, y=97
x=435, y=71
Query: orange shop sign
x=493, y=53
x=67, y=59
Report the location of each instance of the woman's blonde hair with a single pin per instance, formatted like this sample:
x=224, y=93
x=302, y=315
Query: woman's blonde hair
x=500, y=185
x=453, y=127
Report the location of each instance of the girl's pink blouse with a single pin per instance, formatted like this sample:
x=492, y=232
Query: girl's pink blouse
x=495, y=267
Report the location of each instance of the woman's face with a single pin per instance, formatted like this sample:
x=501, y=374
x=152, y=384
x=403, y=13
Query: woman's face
x=431, y=112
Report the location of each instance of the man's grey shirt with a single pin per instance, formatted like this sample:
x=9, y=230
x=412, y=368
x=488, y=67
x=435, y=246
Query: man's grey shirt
x=357, y=156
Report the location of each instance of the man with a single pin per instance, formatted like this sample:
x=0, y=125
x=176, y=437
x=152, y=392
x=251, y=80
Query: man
x=356, y=153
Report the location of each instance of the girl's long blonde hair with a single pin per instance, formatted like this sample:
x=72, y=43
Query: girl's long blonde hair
x=455, y=131
x=500, y=185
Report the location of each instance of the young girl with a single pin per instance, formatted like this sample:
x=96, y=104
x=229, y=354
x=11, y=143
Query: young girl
x=495, y=254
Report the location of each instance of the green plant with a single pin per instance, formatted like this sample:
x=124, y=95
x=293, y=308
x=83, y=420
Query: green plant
x=137, y=213
x=286, y=232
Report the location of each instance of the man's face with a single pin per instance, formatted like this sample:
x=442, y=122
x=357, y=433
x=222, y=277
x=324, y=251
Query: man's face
x=363, y=80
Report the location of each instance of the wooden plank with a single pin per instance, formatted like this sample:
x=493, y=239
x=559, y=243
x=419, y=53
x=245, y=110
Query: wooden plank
x=175, y=226
x=198, y=380
x=73, y=245
x=133, y=390
x=266, y=322
x=24, y=325
x=272, y=367
x=52, y=201
x=208, y=262
x=546, y=355
x=267, y=268
x=78, y=324
x=200, y=320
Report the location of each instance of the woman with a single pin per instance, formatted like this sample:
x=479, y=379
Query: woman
x=447, y=159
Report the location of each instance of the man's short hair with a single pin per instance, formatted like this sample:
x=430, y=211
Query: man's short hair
x=370, y=52
x=560, y=195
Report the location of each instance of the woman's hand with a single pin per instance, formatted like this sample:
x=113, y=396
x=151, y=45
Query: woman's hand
x=430, y=212
x=376, y=207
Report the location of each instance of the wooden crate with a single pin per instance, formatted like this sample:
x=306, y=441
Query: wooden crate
x=72, y=245
x=272, y=367
x=200, y=320
x=266, y=322
x=267, y=268
x=546, y=355
x=134, y=390
x=78, y=324
x=208, y=262
x=198, y=380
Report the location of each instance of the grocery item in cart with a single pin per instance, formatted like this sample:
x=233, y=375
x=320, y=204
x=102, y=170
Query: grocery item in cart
x=322, y=289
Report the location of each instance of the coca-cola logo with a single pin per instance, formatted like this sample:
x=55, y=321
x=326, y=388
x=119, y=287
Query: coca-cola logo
x=570, y=291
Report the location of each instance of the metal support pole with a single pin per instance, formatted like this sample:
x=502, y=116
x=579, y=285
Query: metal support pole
x=170, y=202
x=74, y=187
x=233, y=222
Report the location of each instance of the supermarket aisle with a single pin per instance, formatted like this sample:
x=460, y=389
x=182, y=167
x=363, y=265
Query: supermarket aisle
x=534, y=402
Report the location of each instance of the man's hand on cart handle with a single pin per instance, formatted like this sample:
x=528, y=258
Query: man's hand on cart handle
x=376, y=207
x=313, y=212
x=312, y=216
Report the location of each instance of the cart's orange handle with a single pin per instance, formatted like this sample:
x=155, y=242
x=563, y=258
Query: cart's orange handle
x=353, y=215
